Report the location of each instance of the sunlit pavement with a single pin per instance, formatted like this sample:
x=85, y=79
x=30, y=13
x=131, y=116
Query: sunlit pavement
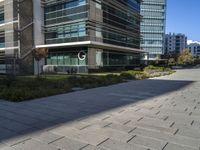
x=157, y=114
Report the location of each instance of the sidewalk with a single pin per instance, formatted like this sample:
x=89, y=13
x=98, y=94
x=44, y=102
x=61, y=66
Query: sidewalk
x=156, y=114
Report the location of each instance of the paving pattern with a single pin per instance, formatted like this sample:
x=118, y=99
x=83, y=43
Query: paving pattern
x=156, y=114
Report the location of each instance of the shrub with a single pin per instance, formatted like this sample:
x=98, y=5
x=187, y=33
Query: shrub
x=72, y=80
x=185, y=57
x=132, y=74
x=171, y=62
x=127, y=76
x=197, y=61
x=141, y=75
x=112, y=79
x=153, y=71
x=21, y=94
x=25, y=88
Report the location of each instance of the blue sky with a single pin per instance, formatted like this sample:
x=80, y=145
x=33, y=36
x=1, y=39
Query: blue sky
x=183, y=16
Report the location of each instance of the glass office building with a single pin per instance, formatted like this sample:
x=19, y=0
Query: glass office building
x=8, y=32
x=81, y=35
x=105, y=33
x=153, y=28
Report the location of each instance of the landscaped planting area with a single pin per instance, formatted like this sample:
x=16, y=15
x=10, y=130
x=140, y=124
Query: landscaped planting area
x=20, y=88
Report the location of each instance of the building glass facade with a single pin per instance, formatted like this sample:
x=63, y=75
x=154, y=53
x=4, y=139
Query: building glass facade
x=106, y=33
x=2, y=33
x=120, y=24
x=153, y=28
x=116, y=23
x=65, y=21
x=1, y=14
x=2, y=41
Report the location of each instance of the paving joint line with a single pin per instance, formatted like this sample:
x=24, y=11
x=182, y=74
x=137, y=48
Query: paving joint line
x=85, y=127
x=127, y=122
x=192, y=122
x=140, y=119
x=165, y=146
x=132, y=130
x=121, y=111
x=131, y=139
x=105, y=118
x=103, y=141
x=165, y=119
x=107, y=125
x=173, y=123
x=157, y=112
x=176, y=131
x=56, y=139
x=21, y=142
x=84, y=147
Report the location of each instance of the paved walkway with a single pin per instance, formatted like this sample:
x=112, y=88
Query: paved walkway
x=156, y=114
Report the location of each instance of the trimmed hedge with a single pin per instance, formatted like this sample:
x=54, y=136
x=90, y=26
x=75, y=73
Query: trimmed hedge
x=21, y=89
x=25, y=88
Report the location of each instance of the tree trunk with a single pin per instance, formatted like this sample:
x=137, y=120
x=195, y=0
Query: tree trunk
x=38, y=73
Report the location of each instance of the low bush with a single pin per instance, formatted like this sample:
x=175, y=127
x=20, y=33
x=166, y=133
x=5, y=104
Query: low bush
x=127, y=76
x=29, y=88
x=153, y=68
x=196, y=61
x=25, y=88
x=136, y=74
x=154, y=71
x=141, y=76
x=112, y=79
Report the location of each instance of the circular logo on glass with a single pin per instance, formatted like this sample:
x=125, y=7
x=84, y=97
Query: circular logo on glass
x=81, y=55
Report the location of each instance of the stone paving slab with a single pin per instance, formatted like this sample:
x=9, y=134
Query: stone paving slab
x=148, y=142
x=178, y=139
x=116, y=145
x=156, y=114
x=47, y=137
x=171, y=146
x=91, y=147
x=5, y=147
x=66, y=143
x=33, y=145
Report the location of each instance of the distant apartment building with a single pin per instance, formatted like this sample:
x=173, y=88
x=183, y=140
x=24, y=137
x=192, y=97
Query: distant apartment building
x=175, y=43
x=81, y=35
x=153, y=28
x=194, y=48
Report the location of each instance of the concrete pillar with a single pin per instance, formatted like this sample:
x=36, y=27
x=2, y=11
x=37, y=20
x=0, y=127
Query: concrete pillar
x=96, y=15
x=38, y=14
x=26, y=36
x=9, y=27
x=93, y=61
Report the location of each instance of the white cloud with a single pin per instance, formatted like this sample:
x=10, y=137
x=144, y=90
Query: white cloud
x=191, y=41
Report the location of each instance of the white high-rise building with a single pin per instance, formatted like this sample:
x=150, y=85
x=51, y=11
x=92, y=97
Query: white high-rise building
x=194, y=48
x=175, y=43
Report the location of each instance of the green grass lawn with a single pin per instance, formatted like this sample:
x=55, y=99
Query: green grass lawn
x=22, y=88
